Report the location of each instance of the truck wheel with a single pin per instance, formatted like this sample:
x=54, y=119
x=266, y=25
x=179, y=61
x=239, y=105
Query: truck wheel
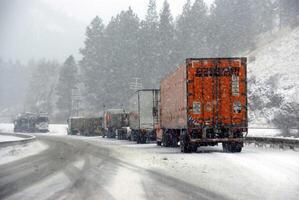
x=138, y=138
x=194, y=148
x=236, y=147
x=224, y=146
x=185, y=148
x=142, y=138
x=232, y=147
x=174, y=140
x=165, y=140
x=184, y=143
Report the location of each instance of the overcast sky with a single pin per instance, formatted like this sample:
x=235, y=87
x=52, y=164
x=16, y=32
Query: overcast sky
x=54, y=29
x=85, y=10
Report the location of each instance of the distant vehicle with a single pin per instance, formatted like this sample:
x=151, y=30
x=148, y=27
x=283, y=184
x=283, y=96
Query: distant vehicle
x=204, y=103
x=115, y=123
x=85, y=126
x=31, y=122
x=143, y=115
x=42, y=123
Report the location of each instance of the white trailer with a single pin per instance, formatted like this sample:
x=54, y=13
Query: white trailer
x=143, y=115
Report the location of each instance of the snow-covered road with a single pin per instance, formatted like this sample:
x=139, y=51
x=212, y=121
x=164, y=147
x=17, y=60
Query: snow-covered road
x=75, y=167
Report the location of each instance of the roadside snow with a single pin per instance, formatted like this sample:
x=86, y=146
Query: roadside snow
x=6, y=127
x=15, y=152
x=58, y=129
x=7, y=138
x=274, y=61
x=55, y=129
x=264, y=132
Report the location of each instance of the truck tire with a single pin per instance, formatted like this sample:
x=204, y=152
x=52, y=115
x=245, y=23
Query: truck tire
x=166, y=139
x=174, y=140
x=231, y=147
x=224, y=146
x=185, y=148
x=138, y=137
x=236, y=147
x=185, y=143
x=194, y=147
x=141, y=138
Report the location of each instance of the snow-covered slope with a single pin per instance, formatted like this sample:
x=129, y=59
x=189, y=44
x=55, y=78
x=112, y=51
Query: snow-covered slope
x=275, y=66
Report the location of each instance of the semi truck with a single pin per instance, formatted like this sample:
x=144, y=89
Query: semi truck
x=203, y=103
x=31, y=122
x=115, y=123
x=143, y=115
x=85, y=126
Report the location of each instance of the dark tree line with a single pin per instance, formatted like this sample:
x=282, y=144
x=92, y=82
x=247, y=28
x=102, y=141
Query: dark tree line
x=14, y=79
x=128, y=47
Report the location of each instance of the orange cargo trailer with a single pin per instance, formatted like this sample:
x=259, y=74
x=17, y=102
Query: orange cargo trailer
x=204, y=103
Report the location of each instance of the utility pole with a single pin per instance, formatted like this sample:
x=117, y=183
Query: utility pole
x=135, y=84
x=76, y=99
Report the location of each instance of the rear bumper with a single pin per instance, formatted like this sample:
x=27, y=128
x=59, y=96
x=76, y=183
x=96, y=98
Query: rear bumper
x=216, y=140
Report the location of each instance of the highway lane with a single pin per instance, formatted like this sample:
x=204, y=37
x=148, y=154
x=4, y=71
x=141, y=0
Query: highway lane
x=72, y=168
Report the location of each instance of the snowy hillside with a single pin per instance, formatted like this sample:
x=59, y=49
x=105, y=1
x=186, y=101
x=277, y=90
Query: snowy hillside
x=273, y=70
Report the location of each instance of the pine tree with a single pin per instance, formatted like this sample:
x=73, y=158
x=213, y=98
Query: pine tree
x=40, y=95
x=166, y=41
x=122, y=37
x=199, y=35
x=148, y=47
x=66, y=83
x=183, y=34
x=232, y=22
x=93, y=64
x=152, y=15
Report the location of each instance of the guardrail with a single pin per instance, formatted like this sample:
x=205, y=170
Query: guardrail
x=24, y=139
x=282, y=143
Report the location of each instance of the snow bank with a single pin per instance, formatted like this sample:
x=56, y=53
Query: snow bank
x=58, y=129
x=264, y=132
x=7, y=138
x=275, y=57
x=279, y=57
x=6, y=127
x=15, y=152
x=55, y=129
